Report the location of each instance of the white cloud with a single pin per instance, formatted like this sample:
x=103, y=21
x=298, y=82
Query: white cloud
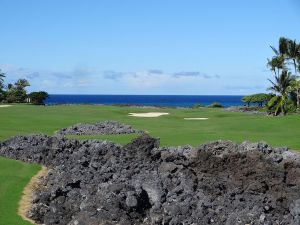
x=152, y=81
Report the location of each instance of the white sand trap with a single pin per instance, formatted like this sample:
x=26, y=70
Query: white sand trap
x=148, y=114
x=197, y=118
x=3, y=106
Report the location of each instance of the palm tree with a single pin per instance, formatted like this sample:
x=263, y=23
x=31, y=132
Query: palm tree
x=22, y=83
x=282, y=82
x=298, y=60
x=281, y=86
x=293, y=53
x=2, y=75
x=276, y=64
x=295, y=86
x=283, y=47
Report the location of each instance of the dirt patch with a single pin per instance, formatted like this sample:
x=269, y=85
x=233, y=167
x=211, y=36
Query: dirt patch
x=4, y=106
x=25, y=203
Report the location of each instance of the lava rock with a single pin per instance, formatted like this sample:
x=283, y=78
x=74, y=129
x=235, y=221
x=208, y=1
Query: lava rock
x=99, y=182
x=106, y=127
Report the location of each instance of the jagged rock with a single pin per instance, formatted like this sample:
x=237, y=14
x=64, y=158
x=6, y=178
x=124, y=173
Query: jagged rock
x=99, y=182
x=106, y=127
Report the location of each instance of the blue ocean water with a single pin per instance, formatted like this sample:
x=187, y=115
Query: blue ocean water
x=147, y=100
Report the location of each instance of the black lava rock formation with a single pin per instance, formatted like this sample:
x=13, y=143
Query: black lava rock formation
x=98, y=182
x=106, y=127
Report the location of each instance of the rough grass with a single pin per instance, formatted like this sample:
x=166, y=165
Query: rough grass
x=172, y=130
x=14, y=176
x=25, y=202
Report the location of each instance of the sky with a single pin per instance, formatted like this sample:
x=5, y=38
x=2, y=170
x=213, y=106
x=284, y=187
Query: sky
x=184, y=47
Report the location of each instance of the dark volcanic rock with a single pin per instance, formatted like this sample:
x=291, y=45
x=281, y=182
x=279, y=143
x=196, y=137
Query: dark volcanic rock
x=106, y=127
x=95, y=182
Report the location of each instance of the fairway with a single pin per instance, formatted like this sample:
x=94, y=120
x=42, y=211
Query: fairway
x=172, y=129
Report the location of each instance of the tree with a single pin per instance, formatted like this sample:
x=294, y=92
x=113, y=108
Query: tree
x=282, y=82
x=280, y=86
x=38, y=98
x=295, y=86
x=276, y=64
x=2, y=75
x=16, y=93
x=283, y=47
x=298, y=62
x=22, y=84
x=293, y=53
x=285, y=84
x=247, y=99
x=2, y=93
x=260, y=99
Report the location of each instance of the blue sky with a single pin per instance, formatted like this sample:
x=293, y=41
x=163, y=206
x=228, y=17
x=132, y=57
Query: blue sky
x=144, y=46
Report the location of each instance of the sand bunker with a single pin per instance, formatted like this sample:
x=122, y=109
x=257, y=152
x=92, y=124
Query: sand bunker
x=148, y=114
x=3, y=106
x=197, y=118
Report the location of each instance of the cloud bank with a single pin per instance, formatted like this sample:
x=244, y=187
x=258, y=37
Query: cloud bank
x=152, y=81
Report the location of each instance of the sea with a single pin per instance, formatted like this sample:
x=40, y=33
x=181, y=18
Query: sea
x=146, y=100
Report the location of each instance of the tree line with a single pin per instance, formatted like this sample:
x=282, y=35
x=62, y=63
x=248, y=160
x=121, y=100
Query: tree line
x=285, y=85
x=16, y=92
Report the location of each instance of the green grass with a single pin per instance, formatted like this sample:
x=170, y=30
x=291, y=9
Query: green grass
x=171, y=129
x=14, y=176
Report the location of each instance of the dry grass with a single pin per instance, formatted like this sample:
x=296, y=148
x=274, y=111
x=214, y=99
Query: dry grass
x=28, y=192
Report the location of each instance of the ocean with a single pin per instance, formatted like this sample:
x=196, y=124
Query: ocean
x=146, y=100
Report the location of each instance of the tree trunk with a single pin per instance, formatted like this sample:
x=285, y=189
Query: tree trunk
x=295, y=65
x=298, y=98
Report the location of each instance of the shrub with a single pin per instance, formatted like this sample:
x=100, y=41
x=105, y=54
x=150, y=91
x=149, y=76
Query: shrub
x=16, y=95
x=38, y=98
x=198, y=105
x=215, y=105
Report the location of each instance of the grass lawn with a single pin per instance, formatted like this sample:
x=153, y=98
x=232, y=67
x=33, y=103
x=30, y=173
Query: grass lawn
x=14, y=176
x=172, y=130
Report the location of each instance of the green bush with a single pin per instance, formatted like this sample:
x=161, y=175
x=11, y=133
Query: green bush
x=38, y=98
x=291, y=107
x=215, y=105
x=198, y=105
x=16, y=95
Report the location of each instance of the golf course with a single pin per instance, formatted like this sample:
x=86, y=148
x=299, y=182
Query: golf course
x=172, y=129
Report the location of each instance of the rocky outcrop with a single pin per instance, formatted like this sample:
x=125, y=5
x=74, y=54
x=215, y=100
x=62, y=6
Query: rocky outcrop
x=245, y=109
x=98, y=182
x=106, y=127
